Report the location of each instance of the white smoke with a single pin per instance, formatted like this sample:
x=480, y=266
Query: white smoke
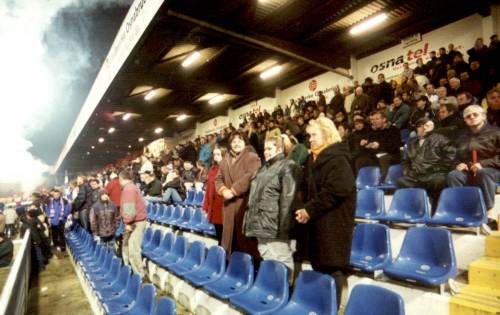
x=28, y=83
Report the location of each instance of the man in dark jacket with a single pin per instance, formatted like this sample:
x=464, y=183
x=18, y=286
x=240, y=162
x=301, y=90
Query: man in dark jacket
x=92, y=197
x=79, y=202
x=385, y=90
x=400, y=113
x=448, y=122
x=337, y=102
x=382, y=146
x=270, y=204
x=104, y=219
x=153, y=185
x=361, y=104
x=58, y=209
x=429, y=159
x=478, y=156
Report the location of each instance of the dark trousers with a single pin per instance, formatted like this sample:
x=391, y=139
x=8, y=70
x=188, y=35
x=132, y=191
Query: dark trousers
x=383, y=162
x=58, y=236
x=218, y=232
x=486, y=179
x=433, y=184
x=10, y=230
x=339, y=275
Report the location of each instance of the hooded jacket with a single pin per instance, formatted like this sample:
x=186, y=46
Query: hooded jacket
x=271, y=200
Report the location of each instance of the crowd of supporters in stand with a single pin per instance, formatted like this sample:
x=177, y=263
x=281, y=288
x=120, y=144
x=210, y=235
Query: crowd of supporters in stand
x=290, y=173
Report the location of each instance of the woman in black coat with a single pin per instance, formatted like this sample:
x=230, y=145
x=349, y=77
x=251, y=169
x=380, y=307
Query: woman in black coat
x=329, y=203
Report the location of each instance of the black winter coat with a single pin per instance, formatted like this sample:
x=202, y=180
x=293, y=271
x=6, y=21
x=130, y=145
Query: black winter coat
x=271, y=200
x=486, y=143
x=436, y=155
x=330, y=199
x=81, y=197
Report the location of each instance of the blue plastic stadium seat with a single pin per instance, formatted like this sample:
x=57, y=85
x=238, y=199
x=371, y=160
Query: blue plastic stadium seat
x=405, y=135
x=146, y=302
x=148, y=235
x=160, y=213
x=370, y=204
x=108, y=291
x=126, y=300
x=189, y=197
x=149, y=247
x=196, y=218
x=269, y=293
x=237, y=279
x=212, y=268
x=368, y=177
x=462, y=206
x=185, y=218
x=176, y=215
x=410, y=205
x=107, y=275
x=371, y=247
x=393, y=174
x=178, y=252
x=198, y=200
x=205, y=227
x=164, y=247
x=314, y=293
x=165, y=306
x=427, y=256
x=372, y=300
x=192, y=261
x=166, y=215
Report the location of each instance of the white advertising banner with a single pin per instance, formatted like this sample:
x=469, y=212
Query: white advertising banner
x=310, y=88
x=236, y=116
x=139, y=16
x=462, y=34
x=212, y=125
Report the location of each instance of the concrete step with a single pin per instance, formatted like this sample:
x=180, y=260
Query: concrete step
x=485, y=272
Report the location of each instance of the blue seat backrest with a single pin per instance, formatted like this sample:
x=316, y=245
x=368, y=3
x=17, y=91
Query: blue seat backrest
x=180, y=246
x=462, y=200
x=429, y=244
x=410, y=200
x=165, y=306
x=370, y=201
x=318, y=289
x=368, y=176
x=272, y=277
x=373, y=300
x=216, y=258
x=394, y=172
x=241, y=267
x=371, y=237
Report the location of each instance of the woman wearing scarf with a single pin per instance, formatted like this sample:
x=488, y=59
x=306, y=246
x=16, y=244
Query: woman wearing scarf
x=233, y=183
x=327, y=215
x=58, y=209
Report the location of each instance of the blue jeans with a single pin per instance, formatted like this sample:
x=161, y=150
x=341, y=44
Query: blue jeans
x=486, y=179
x=170, y=195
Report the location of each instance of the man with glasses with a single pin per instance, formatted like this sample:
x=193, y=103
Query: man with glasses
x=478, y=154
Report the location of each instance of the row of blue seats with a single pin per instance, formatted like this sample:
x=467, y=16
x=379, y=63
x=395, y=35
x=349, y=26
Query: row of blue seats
x=314, y=292
x=185, y=218
x=427, y=255
x=457, y=206
x=117, y=288
x=371, y=177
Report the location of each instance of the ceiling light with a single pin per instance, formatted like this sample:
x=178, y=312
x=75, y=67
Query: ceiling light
x=141, y=139
x=159, y=130
x=88, y=153
x=181, y=117
x=126, y=116
x=367, y=24
x=111, y=130
x=271, y=72
x=216, y=99
x=129, y=146
x=190, y=59
x=93, y=147
x=150, y=95
x=101, y=140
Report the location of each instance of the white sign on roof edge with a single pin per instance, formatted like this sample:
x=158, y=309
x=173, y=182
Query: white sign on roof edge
x=135, y=23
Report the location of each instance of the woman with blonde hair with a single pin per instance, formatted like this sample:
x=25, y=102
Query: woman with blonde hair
x=327, y=213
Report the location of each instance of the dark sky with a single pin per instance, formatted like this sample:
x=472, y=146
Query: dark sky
x=77, y=42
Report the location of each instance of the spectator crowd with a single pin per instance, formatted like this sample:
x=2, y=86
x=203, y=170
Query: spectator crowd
x=290, y=173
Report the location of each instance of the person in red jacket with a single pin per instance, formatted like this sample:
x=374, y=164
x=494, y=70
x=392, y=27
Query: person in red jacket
x=114, y=190
x=214, y=202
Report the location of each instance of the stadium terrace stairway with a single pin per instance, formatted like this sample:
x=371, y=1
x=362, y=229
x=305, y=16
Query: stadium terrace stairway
x=482, y=295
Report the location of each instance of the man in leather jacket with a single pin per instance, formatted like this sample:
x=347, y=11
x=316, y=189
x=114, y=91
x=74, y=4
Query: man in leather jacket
x=478, y=158
x=429, y=159
x=270, y=204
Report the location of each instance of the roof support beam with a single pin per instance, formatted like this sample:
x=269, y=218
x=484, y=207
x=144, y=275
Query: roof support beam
x=314, y=58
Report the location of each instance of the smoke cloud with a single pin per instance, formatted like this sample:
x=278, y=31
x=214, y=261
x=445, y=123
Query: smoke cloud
x=32, y=78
